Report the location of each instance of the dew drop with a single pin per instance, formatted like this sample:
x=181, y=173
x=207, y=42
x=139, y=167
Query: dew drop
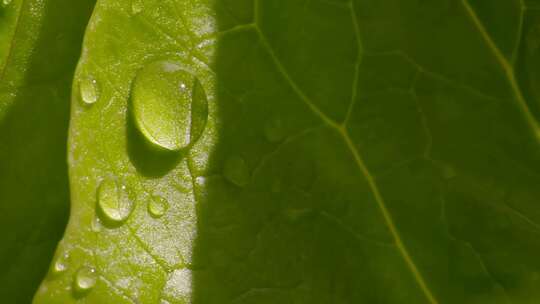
x=96, y=224
x=89, y=90
x=59, y=267
x=114, y=205
x=60, y=264
x=137, y=6
x=158, y=206
x=273, y=130
x=200, y=181
x=170, y=106
x=236, y=171
x=85, y=279
x=200, y=187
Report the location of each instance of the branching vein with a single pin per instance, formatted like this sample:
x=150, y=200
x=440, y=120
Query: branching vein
x=359, y=163
x=507, y=68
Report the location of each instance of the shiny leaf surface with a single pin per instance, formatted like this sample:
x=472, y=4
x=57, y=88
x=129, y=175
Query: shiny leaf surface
x=352, y=152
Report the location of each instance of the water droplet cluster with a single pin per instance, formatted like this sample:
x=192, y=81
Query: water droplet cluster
x=169, y=108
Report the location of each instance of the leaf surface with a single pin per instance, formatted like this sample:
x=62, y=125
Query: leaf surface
x=39, y=47
x=353, y=152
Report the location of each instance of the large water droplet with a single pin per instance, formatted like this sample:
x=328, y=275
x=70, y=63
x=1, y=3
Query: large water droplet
x=113, y=201
x=273, y=130
x=60, y=264
x=89, y=90
x=236, y=171
x=136, y=7
x=85, y=279
x=158, y=206
x=170, y=106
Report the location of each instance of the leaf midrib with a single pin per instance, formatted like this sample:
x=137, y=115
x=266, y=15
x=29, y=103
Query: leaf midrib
x=342, y=131
x=507, y=68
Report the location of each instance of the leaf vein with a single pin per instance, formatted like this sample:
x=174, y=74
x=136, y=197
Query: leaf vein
x=356, y=77
x=507, y=69
x=359, y=162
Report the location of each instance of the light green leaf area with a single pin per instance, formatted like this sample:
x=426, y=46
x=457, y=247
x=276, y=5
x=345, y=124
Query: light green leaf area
x=39, y=48
x=8, y=22
x=304, y=151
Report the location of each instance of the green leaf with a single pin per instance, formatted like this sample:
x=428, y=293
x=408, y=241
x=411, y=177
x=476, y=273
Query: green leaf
x=372, y=151
x=39, y=47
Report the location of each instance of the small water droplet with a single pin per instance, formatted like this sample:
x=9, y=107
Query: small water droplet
x=273, y=130
x=158, y=206
x=236, y=171
x=96, y=224
x=85, y=279
x=60, y=264
x=170, y=106
x=200, y=187
x=113, y=202
x=200, y=181
x=89, y=90
x=137, y=6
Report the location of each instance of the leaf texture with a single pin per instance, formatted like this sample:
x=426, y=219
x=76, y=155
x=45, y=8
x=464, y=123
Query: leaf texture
x=353, y=152
x=39, y=48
